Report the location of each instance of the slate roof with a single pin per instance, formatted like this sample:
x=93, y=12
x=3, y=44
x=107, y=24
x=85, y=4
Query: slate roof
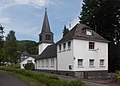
x=49, y=52
x=79, y=32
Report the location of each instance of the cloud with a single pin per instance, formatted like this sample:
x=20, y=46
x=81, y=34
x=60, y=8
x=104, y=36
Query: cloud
x=4, y=20
x=34, y=3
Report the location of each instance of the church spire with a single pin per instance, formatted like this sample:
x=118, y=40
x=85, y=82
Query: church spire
x=46, y=36
x=46, y=26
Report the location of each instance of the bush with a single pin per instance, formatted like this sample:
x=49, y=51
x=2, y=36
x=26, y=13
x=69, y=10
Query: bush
x=118, y=76
x=29, y=66
x=43, y=78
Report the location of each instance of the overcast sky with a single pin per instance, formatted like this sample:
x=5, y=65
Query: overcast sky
x=25, y=17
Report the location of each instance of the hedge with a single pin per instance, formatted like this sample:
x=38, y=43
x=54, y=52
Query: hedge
x=47, y=80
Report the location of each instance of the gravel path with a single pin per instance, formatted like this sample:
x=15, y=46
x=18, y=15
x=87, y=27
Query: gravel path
x=10, y=80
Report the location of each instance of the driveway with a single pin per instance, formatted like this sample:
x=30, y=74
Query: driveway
x=10, y=80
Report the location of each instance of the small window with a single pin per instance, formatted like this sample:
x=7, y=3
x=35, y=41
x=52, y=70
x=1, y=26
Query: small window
x=47, y=62
x=48, y=37
x=29, y=61
x=42, y=63
x=40, y=38
x=59, y=48
x=91, y=45
x=91, y=62
x=89, y=32
x=52, y=62
x=101, y=62
x=64, y=46
x=80, y=62
x=69, y=45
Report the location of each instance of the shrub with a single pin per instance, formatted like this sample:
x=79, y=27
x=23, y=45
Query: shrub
x=29, y=66
x=118, y=76
x=43, y=78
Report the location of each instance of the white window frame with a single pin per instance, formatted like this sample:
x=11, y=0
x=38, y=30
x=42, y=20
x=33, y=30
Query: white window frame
x=52, y=62
x=47, y=62
x=69, y=45
x=93, y=62
x=103, y=62
x=80, y=62
x=64, y=46
x=91, y=46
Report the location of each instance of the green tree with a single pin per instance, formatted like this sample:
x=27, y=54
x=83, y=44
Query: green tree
x=10, y=48
x=65, y=31
x=1, y=42
x=104, y=17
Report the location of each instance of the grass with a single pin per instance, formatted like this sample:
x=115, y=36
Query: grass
x=38, y=79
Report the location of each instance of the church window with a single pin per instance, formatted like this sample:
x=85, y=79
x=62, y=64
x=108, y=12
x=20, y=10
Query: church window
x=91, y=45
x=64, y=46
x=101, y=62
x=40, y=38
x=42, y=63
x=47, y=62
x=59, y=48
x=91, y=62
x=80, y=62
x=48, y=37
x=52, y=62
x=69, y=45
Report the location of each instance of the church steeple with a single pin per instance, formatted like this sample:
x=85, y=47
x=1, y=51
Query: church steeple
x=46, y=36
x=46, y=26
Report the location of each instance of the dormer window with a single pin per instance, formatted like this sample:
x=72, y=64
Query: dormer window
x=89, y=32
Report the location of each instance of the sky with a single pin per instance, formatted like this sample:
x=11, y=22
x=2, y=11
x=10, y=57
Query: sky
x=25, y=17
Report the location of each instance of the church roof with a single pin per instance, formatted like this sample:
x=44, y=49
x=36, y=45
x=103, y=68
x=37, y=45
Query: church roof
x=46, y=26
x=49, y=52
x=79, y=32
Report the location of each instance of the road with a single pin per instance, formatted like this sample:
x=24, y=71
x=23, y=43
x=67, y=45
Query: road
x=10, y=80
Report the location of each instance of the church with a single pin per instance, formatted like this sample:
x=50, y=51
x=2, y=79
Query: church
x=80, y=53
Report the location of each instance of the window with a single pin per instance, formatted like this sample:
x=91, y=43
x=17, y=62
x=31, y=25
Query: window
x=64, y=46
x=42, y=63
x=59, y=48
x=91, y=62
x=101, y=62
x=89, y=32
x=38, y=63
x=91, y=45
x=29, y=61
x=69, y=45
x=80, y=62
x=52, y=62
x=47, y=62
x=48, y=37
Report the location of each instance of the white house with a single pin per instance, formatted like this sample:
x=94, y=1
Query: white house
x=81, y=52
x=27, y=58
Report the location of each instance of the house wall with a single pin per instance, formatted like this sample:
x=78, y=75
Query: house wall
x=46, y=64
x=65, y=57
x=81, y=51
x=42, y=47
x=25, y=62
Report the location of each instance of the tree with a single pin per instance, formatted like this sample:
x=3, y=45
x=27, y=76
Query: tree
x=103, y=16
x=10, y=48
x=1, y=42
x=65, y=31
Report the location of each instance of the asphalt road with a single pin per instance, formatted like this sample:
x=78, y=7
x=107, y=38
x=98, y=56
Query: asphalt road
x=10, y=80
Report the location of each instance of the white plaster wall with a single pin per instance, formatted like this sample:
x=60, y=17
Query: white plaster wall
x=81, y=51
x=65, y=58
x=45, y=67
x=42, y=47
x=25, y=61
